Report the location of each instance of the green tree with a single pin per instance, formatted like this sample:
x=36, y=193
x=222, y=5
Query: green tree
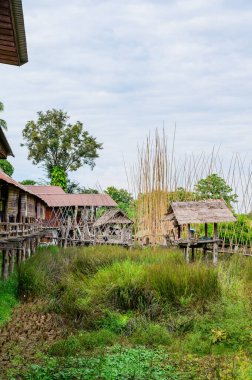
x=123, y=198
x=6, y=167
x=28, y=182
x=3, y=123
x=53, y=142
x=58, y=177
x=180, y=195
x=215, y=187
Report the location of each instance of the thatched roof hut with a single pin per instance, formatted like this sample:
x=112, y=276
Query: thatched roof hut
x=115, y=216
x=208, y=211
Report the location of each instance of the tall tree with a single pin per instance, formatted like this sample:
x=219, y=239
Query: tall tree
x=215, y=187
x=3, y=123
x=123, y=198
x=6, y=167
x=53, y=142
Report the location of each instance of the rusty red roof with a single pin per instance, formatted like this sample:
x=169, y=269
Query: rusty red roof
x=4, y=177
x=45, y=189
x=84, y=200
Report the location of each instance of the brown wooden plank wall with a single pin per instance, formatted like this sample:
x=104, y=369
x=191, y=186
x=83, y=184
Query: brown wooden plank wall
x=8, y=50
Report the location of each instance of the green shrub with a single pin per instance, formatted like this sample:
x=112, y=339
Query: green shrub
x=151, y=334
x=114, y=321
x=83, y=341
x=116, y=364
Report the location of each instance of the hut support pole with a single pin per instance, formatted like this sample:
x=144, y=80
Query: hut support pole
x=193, y=254
x=187, y=257
x=179, y=231
x=12, y=261
x=215, y=245
x=5, y=264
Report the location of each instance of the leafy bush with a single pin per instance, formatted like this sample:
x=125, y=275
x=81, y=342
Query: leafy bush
x=151, y=334
x=83, y=341
x=116, y=364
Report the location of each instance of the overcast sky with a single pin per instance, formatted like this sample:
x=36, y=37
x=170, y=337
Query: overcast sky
x=124, y=67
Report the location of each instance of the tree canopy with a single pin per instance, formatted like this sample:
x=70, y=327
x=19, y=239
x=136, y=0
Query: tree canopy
x=3, y=123
x=6, y=167
x=53, y=142
x=215, y=187
x=123, y=198
x=28, y=182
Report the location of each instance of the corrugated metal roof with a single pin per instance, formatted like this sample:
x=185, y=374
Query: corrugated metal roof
x=46, y=189
x=208, y=211
x=86, y=200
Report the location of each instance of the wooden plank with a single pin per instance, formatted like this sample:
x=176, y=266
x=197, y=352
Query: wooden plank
x=8, y=53
x=7, y=38
x=6, y=59
x=5, y=18
x=5, y=25
x=4, y=11
x=7, y=48
x=6, y=32
x=5, y=4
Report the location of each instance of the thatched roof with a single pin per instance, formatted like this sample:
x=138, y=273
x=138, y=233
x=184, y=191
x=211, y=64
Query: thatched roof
x=209, y=211
x=115, y=216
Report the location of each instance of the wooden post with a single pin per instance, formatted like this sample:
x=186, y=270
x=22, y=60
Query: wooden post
x=188, y=231
x=187, y=253
x=23, y=254
x=215, y=244
x=19, y=256
x=12, y=260
x=206, y=230
x=28, y=249
x=193, y=254
x=5, y=264
x=179, y=231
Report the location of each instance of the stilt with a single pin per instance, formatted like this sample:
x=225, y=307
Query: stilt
x=193, y=254
x=215, y=245
x=215, y=253
x=5, y=264
x=187, y=253
x=12, y=260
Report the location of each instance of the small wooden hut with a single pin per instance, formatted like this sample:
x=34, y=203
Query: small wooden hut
x=113, y=227
x=180, y=217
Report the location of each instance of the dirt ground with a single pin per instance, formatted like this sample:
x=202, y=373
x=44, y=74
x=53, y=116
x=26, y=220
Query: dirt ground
x=26, y=335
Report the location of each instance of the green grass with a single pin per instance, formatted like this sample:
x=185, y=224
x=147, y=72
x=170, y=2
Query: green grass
x=145, y=303
x=8, y=298
x=116, y=364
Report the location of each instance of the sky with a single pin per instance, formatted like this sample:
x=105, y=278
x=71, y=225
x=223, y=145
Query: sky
x=125, y=68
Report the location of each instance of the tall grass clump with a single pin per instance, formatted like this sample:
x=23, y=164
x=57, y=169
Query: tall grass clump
x=183, y=284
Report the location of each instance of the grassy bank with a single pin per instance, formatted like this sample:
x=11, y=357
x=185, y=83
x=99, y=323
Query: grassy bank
x=8, y=298
x=138, y=314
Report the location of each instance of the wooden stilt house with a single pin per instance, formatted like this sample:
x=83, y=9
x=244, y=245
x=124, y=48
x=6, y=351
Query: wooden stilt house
x=71, y=216
x=21, y=222
x=181, y=216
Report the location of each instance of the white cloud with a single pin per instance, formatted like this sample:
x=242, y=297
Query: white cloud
x=124, y=67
